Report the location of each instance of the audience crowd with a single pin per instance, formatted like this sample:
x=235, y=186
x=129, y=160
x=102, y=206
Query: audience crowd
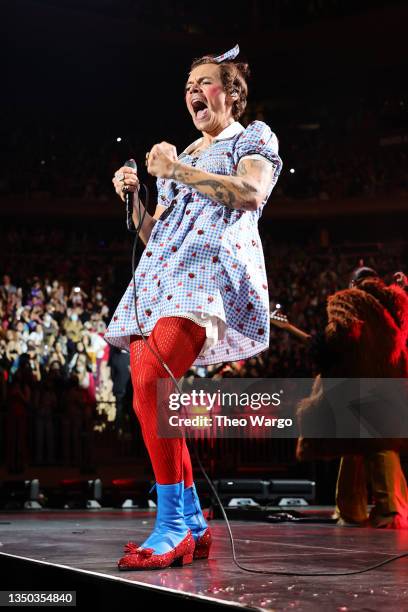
x=61, y=383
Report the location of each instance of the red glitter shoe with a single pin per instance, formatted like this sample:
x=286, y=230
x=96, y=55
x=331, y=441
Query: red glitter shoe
x=203, y=545
x=139, y=558
x=171, y=542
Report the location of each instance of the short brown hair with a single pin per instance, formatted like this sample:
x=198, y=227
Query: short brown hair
x=234, y=77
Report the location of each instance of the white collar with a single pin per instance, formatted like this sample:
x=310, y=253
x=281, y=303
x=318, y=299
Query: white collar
x=231, y=130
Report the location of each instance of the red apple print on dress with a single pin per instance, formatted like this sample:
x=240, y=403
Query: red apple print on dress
x=144, y=289
x=241, y=325
x=179, y=284
x=238, y=246
x=193, y=254
x=227, y=287
x=191, y=274
x=213, y=278
x=238, y=309
x=169, y=297
x=252, y=292
x=264, y=286
x=148, y=254
x=189, y=294
x=199, y=307
x=231, y=303
x=166, y=225
x=200, y=232
x=161, y=257
x=215, y=259
x=201, y=286
x=143, y=274
x=148, y=312
x=174, y=249
x=181, y=263
x=250, y=306
x=210, y=299
x=115, y=318
x=126, y=307
x=261, y=331
x=177, y=305
x=162, y=244
x=253, y=318
x=207, y=245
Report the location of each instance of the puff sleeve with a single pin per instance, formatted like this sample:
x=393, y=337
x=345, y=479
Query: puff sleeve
x=258, y=139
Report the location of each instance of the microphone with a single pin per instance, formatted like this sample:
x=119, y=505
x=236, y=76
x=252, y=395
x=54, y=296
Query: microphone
x=130, y=163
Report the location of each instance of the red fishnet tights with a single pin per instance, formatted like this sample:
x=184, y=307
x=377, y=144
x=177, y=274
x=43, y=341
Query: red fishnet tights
x=178, y=341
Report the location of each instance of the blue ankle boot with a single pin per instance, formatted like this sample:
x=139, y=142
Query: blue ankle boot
x=171, y=541
x=195, y=521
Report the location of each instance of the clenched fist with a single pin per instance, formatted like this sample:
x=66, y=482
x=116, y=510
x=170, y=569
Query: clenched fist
x=125, y=180
x=161, y=160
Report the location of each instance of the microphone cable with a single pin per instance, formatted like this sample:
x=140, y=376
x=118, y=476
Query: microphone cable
x=136, y=231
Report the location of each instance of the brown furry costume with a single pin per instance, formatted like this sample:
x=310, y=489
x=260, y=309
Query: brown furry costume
x=366, y=337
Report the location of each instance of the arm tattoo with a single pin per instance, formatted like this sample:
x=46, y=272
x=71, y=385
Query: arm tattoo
x=232, y=191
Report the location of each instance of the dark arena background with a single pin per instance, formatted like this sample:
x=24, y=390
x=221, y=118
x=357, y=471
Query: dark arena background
x=88, y=84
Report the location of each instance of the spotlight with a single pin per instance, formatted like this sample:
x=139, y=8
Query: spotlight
x=119, y=139
x=292, y=171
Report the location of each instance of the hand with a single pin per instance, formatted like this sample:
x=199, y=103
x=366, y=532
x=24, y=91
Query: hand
x=161, y=160
x=125, y=180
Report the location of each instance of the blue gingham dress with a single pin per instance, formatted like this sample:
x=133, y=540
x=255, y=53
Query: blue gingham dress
x=205, y=258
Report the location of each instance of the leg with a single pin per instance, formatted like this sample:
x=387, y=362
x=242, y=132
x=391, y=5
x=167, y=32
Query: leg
x=136, y=349
x=193, y=515
x=178, y=342
x=389, y=488
x=351, y=490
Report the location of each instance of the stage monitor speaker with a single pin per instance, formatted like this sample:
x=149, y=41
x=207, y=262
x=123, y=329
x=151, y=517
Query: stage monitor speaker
x=240, y=489
x=291, y=492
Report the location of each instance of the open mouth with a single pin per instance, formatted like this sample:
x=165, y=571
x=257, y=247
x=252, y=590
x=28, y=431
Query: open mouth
x=200, y=109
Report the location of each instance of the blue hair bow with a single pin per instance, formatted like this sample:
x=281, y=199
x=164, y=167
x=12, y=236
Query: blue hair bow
x=228, y=55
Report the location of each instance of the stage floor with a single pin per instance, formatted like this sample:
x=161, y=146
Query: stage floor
x=91, y=542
